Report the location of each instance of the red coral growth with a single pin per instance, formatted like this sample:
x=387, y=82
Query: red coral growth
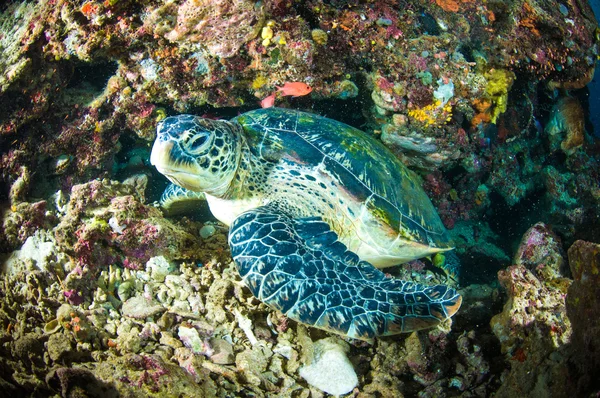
x=384, y=84
x=139, y=242
x=89, y=9
x=92, y=248
x=520, y=355
x=152, y=370
x=435, y=185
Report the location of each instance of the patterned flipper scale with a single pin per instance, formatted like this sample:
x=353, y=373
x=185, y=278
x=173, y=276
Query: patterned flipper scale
x=298, y=267
x=176, y=200
x=452, y=265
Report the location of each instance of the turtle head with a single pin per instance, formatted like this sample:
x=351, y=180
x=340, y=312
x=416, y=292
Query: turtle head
x=198, y=154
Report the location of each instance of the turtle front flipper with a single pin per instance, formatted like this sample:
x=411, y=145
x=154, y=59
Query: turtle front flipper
x=176, y=200
x=299, y=267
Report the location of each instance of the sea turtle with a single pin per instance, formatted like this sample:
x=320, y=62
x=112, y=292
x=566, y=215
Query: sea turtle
x=313, y=206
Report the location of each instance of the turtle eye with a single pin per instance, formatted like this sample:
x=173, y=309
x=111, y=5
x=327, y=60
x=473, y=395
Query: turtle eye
x=197, y=143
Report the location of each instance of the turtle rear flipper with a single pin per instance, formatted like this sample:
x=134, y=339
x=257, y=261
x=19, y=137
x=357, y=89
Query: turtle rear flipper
x=299, y=267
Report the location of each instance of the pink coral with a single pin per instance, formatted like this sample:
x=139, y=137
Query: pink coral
x=73, y=296
x=540, y=251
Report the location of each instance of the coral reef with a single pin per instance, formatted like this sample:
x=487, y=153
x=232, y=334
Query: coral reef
x=190, y=53
x=81, y=312
x=444, y=89
x=107, y=223
x=104, y=296
x=548, y=329
x=101, y=324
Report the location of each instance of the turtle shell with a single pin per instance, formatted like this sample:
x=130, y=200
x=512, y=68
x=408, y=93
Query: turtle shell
x=362, y=165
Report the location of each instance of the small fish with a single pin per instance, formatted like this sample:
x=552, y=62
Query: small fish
x=268, y=102
x=296, y=89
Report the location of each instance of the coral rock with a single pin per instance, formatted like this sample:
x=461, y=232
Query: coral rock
x=541, y=253
x=533, y=328
x=222, y=26
x=583, y=308
x=139, y=307
x=223, y=352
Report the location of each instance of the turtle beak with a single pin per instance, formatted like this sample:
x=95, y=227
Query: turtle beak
x=161, y=155
x=177, y=172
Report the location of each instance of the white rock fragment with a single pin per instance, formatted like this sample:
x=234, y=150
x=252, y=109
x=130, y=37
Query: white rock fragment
x=39, y=249
x=191, y=339
x=179, y=287
x=180, y=306
x=114, y=225
x=246, y=325
x=330, y=370
x=283, y=350
x=139, y=307
x=159, y=268
x=223, y=352
x=196, y=304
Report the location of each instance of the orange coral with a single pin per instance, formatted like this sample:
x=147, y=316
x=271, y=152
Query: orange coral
x=448, y=5
x=482, y=105
x=451, y=5
x=529, y=21
x=89, y=8
x=480, y=118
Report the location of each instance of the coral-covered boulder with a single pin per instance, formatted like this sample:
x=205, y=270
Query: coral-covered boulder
x=541, y=252
x=583, y=309
x=106, y=222
x=533, y=328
